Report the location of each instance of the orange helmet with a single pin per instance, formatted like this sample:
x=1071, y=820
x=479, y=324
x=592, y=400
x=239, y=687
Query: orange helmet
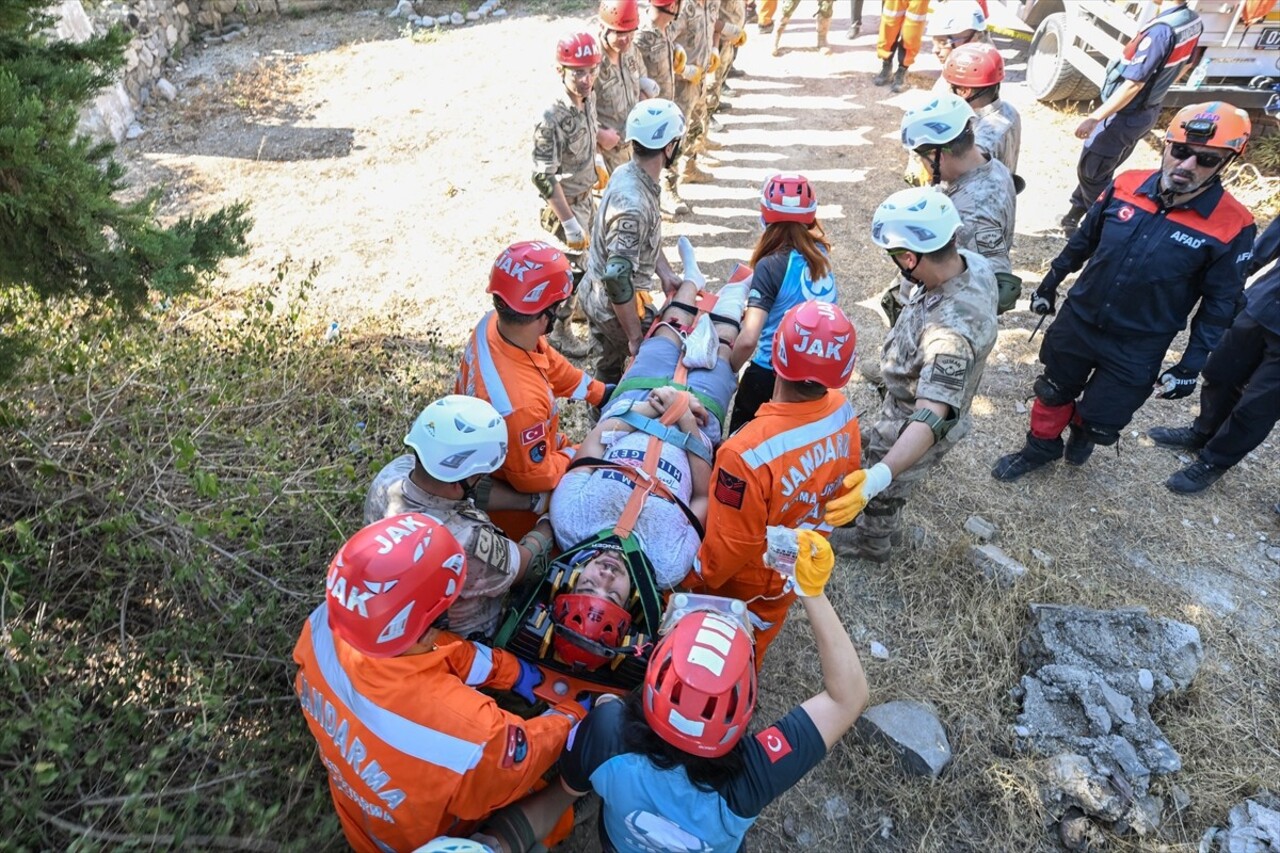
x=1215, y=124
x=975, y=65
x=530, y=277
x=579, y=50
x=620, y=15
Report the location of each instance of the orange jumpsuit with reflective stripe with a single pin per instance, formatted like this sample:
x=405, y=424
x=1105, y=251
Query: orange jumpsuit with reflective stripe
x=523, y=387
x=411, y=749
x=905, y=20
x=781, y=468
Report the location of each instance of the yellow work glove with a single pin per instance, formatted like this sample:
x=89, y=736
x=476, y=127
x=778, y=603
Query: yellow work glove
x=865, y=485
x=679, y=59
x=733, y=35
x=691, y=74
x=575, y=237
x=713, y=64
x=602, y=174
x=802, y=556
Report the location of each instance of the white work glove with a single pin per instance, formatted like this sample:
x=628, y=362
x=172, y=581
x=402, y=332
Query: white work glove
x=649, y=88
x=574, y=237
x=866, y=484
x=802, y=556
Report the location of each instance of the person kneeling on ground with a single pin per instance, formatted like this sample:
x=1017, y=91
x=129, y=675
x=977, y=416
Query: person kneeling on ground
x=457, y=442
x=403, y=770
x=592, y=497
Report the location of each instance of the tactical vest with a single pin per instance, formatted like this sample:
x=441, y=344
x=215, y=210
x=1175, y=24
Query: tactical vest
x=1187, y=28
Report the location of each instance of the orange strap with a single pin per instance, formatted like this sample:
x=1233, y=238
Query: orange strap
x=645, y=478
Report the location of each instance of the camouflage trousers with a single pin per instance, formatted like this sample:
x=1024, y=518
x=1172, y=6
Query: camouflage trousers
x=728, y=53
x=883, y=514
x=609, y=351
x=584, y=210
x=824, y=9
x=692, y=100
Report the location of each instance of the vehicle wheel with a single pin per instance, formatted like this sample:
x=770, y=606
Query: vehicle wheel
x=1049, y=75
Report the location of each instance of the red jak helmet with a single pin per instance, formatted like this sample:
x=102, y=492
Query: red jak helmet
x=788, y=198
x=700, y=687
x=530, y=277
x=391, y=581
x=665, y=4
x=589, y=629
x=620, y=15
x=816, y=342
x=975, y=65
x=580, y=50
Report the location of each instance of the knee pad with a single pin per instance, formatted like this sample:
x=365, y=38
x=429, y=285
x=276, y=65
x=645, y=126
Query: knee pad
x=1048, y=392
x=1103, y=436
x=1048, y=422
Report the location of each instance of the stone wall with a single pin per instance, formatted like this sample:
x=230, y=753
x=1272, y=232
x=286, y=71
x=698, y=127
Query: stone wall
x=162, y=30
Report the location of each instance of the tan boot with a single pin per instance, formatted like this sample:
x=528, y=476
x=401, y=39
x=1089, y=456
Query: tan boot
x=691, y=174
x=777, y=37
x=824, y=27
x=670, y=201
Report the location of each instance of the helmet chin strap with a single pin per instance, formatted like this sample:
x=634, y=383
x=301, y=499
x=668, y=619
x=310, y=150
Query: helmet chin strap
x=937, y=168
x=909, y=275
x=1170, y=197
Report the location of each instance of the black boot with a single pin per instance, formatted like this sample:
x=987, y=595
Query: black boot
x=1079, y=448
x=886, y=71
x=1182, y=437
x=1036, y=453
x=899, y=81
x=1196, y=477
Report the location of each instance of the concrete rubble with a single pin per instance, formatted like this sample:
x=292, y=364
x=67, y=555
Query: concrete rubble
x=996, y=564
x=912, y=731
x=1091, y=679
x=1253, y=827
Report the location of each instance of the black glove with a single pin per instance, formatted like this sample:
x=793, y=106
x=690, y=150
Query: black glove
x=1045, y=300
x=609, y=388
x=1177, y=382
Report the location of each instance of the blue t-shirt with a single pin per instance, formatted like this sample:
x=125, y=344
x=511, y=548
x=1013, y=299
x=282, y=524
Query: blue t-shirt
x=648, y=810
x=779, y=282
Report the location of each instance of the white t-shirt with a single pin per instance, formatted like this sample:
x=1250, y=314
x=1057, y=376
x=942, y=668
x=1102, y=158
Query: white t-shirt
x=588, y=500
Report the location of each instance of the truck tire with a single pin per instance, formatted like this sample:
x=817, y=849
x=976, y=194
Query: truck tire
x=1049, y=76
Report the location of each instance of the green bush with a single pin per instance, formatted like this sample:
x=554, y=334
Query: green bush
x=172, y=494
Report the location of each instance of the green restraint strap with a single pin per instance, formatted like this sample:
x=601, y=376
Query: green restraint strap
x=647, y=383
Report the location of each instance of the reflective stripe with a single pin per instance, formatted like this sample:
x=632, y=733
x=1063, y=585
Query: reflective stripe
x=569, y=451
x=912, y=16
x=481, y=665
x=580, y=393
x=413, y=739
x=794, y=439
x=496, y=391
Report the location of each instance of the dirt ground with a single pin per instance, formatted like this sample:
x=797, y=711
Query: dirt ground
x=402, y=166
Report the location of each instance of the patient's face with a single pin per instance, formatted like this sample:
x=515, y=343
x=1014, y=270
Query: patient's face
x=605, y=575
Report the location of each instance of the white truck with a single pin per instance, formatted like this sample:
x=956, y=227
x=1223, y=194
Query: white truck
x=1237, y=59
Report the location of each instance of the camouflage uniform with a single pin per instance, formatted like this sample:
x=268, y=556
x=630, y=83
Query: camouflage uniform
x=628, y=225
x=985, y=199
x=616, y=91
x=493, y=560
x=564, y=149
x=732, y=12
x=935, y=351
x=692, y=30
x=656, y=51
x=999, y=132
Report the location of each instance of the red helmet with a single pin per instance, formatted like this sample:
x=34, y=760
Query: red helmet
x=580, y=50
x=530, y=277
x=815, y=342
x=700, y=687
x=588, y=628
x=975, y=65
x=620, y=15
x=788, y=198
x=665, y=4
x=391, y=580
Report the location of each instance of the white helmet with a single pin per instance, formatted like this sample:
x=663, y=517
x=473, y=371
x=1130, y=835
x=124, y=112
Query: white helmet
x=655, y=122
x=937, y=122
x=456, y=437
x=921, y=219
x=956, y=16
x=449, y=844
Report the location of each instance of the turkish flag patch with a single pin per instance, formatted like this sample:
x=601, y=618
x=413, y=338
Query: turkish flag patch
x=517, y=746
x=775, y=744
x=730, y=490
x=533, y=433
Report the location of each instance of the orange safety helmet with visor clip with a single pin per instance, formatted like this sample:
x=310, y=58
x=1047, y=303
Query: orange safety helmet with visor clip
x=1215, y=124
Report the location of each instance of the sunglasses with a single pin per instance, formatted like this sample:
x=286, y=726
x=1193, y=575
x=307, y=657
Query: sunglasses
x=1181, y=151
x=925, y=152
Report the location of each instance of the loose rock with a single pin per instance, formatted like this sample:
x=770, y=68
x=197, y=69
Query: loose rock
x=912, y=731
x=473, y=16
x=134, y=131
x=457, y=19
x=996, y=564
x=980, y=527
x=499, y=13
x=166, y=90
x=835, y=808
x=878, y=651
x=403, y=9
x=1254, y=827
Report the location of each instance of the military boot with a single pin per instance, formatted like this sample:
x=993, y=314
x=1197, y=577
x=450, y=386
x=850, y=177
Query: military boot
x=886, y=71
x=670, y=201
x=899, y=81
x=777, y=37
x=565, y=342
x=691, y=174
x=824, y=28
x=1036, y=453
x=1079, y=448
